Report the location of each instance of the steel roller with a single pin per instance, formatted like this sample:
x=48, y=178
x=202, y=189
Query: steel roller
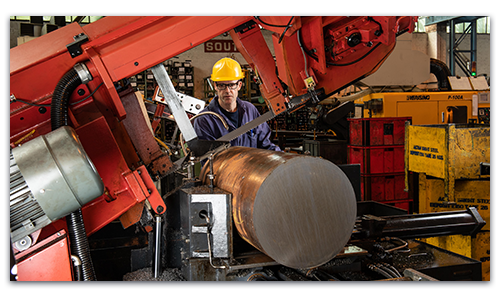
x=299, y=210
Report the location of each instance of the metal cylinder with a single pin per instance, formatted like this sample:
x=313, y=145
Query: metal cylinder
x=423, y=225
x=157, y=259
x=299, y=210
x=51, y=176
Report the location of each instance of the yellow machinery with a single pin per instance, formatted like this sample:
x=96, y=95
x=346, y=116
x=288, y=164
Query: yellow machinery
x=448, y=152
x=427, y=108
x=452, y=163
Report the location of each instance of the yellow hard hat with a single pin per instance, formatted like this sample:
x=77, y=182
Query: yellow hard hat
x=227, y=69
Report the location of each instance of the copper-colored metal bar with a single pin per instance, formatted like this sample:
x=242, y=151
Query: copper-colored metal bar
x=299, y=210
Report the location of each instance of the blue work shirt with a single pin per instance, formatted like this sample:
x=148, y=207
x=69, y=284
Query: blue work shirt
x=211, y=128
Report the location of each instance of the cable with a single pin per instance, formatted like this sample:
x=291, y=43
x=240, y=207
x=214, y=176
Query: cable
x=272, y=25
x=39, y=105
x=303, y=48
x=164, y=145
x=356, y=61
x=28, y=103
x=191, y=119
x=286, y=29
x=350, y=63
x=303, y=54
x=90, y=95
x=212, y=113
x=379, y=26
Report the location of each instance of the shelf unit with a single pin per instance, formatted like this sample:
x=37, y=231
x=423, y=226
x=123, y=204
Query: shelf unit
x=181, y=74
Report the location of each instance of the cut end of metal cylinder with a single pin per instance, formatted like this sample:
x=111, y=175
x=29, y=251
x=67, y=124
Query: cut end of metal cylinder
x=304, y=212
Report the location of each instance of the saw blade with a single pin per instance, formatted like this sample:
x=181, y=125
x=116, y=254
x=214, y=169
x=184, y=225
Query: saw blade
x=247, y=127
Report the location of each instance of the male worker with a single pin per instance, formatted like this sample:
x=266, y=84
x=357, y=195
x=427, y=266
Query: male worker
x=227, y=75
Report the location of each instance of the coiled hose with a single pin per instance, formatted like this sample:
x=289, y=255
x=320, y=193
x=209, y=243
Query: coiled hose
x=60, y=98
x=59, y=117
x=80, y=243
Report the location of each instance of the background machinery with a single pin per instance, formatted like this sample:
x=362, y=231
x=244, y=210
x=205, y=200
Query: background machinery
x=83, y=156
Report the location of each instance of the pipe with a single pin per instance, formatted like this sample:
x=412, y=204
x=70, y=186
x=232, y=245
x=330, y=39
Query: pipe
x=434, y=224
x=466, y=222
x=392, y=268
x=214, y=114
x=387, y=269
x=403, y=245
x=256, y=277
x=441, y=71
x=379, y=271
x=209, y=242
x=77, y=264
x=59, y=117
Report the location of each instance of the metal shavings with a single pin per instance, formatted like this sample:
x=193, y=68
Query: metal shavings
x=145, y=274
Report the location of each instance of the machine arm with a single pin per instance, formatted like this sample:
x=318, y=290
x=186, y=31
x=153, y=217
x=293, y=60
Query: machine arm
x=466, y=222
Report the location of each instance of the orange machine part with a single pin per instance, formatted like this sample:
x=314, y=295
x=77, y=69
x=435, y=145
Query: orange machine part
x=48, y=260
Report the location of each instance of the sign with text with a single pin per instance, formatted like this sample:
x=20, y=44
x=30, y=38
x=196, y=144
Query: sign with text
x=220, y=46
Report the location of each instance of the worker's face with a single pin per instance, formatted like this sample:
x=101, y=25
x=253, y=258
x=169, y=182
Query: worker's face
x=228, y=92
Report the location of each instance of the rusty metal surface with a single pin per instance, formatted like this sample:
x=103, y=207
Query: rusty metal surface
x=142, y=136
x=132, y=216
x=299, y=210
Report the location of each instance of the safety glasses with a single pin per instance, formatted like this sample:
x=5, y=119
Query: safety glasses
x=222, y=87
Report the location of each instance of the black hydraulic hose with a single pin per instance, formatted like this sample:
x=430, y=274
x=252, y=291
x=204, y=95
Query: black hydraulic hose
x=59, y=117
x=80, y=244
x=60, y=98
x=272, y=25
x=441, y=71
x=284, y=31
